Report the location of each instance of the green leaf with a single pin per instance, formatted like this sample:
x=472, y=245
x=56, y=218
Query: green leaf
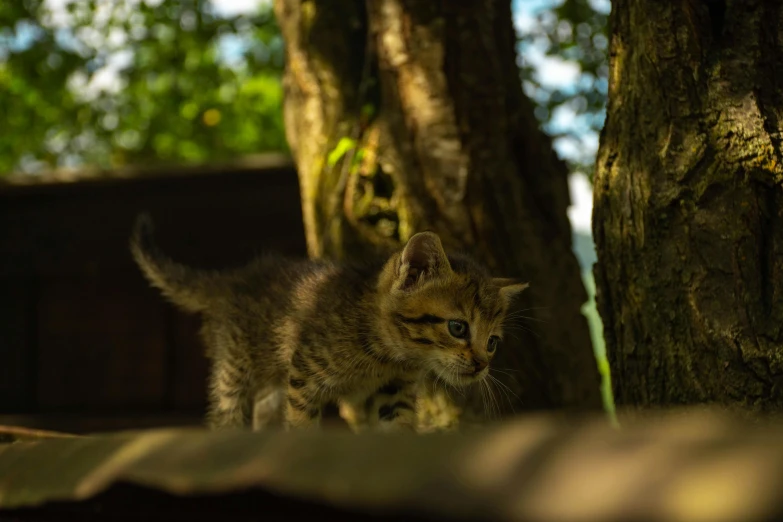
x=343, y=146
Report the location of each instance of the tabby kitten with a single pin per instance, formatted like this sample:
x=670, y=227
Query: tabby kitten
x=288, y=337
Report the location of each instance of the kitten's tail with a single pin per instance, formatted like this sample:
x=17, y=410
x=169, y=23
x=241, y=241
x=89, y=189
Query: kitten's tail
x=186, y=287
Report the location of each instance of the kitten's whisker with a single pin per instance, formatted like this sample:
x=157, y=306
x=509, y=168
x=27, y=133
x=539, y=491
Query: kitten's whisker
x=519, y=321
x=440, y=378
x=513, y=311
x=455, y=377
x=498, y=411
x=505, y=387
x=505, y=373
x=537, y=319
x=497, y=405
x=510, y=329
x=491, y=405
x=522, y=328
x=512, y=335
x=484, y=403
x=483, y=397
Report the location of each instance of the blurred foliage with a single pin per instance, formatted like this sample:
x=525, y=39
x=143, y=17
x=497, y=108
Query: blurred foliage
x=117, y=82
x=574, y=33
x=114, y=82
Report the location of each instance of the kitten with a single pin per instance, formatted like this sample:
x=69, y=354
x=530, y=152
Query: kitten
x=286, y=337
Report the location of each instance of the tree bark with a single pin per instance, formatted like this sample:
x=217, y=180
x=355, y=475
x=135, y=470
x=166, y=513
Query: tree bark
x=687, y=218
x=447, y=141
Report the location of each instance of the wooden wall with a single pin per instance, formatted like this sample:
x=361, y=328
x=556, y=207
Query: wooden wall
x=82, y=335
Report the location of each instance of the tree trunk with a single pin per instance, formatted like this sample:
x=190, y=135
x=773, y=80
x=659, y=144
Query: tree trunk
x=687, y=217
x=431, y=93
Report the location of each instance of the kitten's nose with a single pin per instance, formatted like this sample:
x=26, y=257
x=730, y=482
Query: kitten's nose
x=480, y=364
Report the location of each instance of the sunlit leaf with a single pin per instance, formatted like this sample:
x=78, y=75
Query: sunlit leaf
x=343, y=146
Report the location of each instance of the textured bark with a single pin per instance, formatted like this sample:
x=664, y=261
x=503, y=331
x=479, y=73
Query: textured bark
x=453, y=147
x=687, y=217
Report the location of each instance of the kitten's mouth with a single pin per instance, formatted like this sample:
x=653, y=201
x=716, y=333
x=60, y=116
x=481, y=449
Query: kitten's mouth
x=462, y=376
x=473, y=376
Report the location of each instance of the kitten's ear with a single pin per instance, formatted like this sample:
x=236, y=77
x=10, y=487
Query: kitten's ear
x=509, y=288
x=422, y=257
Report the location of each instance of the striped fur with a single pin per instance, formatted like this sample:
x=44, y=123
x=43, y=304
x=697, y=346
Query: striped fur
x=287, y=337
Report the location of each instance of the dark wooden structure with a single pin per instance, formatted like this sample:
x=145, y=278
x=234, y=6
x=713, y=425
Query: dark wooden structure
x=85, y=343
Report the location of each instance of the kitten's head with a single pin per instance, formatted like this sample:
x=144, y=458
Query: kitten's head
x=443, y=312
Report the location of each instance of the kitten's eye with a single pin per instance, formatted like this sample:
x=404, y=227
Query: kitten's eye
x=458, y=329
x=492, y=344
